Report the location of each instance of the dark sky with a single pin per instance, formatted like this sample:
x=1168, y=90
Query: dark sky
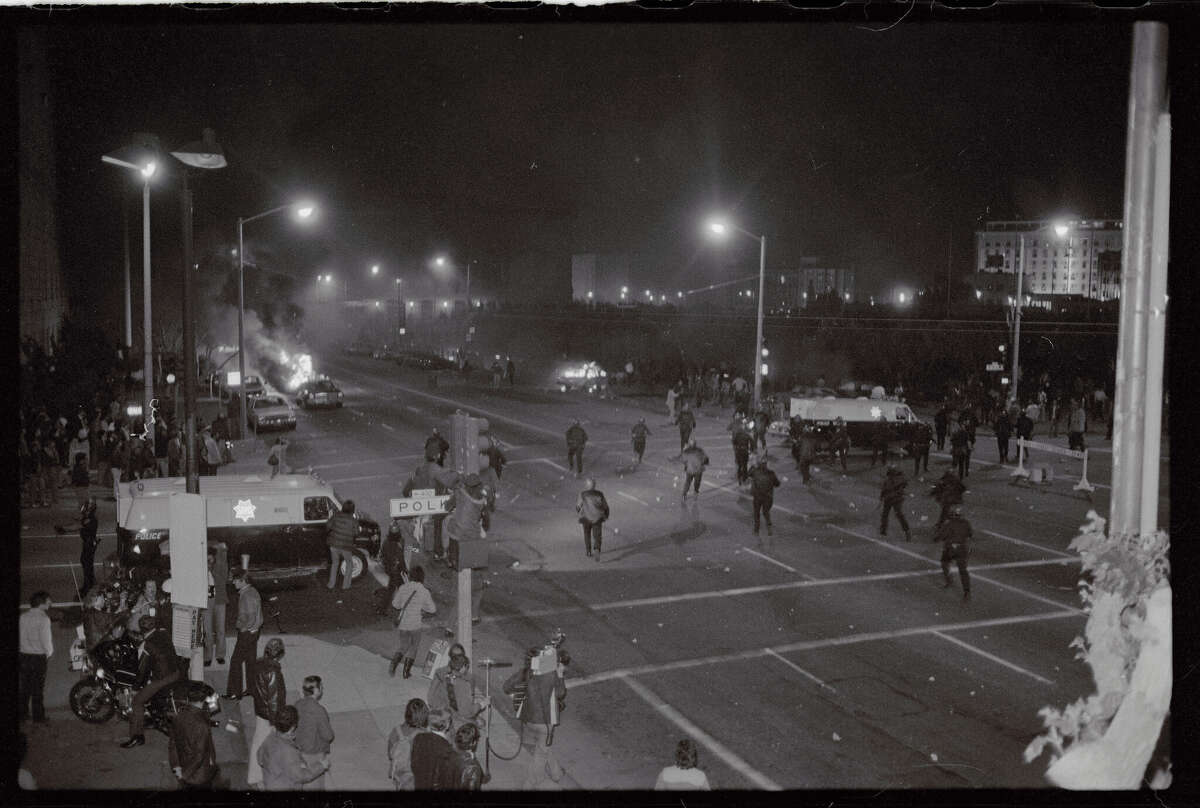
x=532, y=142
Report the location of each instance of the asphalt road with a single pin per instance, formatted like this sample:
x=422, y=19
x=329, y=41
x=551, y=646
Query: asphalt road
x=827, y=657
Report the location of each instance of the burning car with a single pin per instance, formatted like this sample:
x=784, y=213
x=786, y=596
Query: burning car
x=580, y=375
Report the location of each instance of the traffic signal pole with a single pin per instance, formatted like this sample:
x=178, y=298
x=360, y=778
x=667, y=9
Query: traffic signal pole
x=464, y=448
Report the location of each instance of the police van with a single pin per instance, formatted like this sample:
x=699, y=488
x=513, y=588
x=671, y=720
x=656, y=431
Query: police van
x=861, y=415
x=279, y=523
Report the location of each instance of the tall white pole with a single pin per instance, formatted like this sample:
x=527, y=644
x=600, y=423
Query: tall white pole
x=1016, y=365
x=128, y=292
x=1156, y=325
x=147, y=341
x=758, y=357
x=243, y=412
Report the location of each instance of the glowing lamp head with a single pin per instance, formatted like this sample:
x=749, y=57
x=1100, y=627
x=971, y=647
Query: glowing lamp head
x=375, y=269
x=718, y=228
x=148, y=169
x=1061, y=230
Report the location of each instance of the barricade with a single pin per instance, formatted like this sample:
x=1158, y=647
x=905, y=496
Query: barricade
x=1021, y=471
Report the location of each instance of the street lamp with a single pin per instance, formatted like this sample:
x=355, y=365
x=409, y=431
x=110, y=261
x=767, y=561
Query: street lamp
x=720, y=228
x=1060, y=230
x=302, y=211
x=441, y=261
x=142, y=156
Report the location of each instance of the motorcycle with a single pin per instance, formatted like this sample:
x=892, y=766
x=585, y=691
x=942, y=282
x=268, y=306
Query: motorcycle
x=110, y=680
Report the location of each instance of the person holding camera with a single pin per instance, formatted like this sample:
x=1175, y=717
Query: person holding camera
x=545, y=694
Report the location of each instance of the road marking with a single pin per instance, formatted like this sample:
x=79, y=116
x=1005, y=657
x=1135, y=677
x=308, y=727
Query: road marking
x=357, y=479
x=726, y=755
x=388, y=428
x=798, y=669
x=60, y=605
x=991, y=581
x=635, y=499
x=56, y=566
x=324, y=466
x=412, y=408
x=992, y=657
x=812, y=645
x=777, y=562
x=71, y=533
x=490, y=414
x=766, y=588
x=1026, y=543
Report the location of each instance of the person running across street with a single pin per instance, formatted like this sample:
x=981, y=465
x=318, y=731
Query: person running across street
x=763, y=482
x=640, y=431
x=694, y=461
x=891, y=496
x=592, y=508
x=576, y=439
x=955, y=535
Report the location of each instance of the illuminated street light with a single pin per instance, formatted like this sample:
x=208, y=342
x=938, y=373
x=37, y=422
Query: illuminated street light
x=720, y=227
x=375, y=269
x=978, y=294
x=1061, y=230
x=589, y=295
x=440, y=261
x=902, y=297
x=624, y=290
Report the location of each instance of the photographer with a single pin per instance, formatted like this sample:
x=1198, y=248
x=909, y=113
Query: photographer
x=545, y=694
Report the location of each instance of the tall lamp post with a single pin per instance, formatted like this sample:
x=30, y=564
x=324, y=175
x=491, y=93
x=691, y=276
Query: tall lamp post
x=1060, y=230
x=720, y=228
x=142, y=157
x=303, y=211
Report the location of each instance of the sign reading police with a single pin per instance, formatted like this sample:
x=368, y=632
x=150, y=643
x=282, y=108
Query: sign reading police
x=423, y=502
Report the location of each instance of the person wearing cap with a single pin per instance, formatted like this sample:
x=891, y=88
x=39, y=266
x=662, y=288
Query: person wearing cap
x=592, y=508
x=955, y=535
x=640, y=431
x=576, y=439
x=156, y=660
x=270, y=694
x=891, y=495
x=694, y=461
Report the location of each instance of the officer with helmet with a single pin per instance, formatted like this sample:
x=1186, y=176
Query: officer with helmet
x=955, y=535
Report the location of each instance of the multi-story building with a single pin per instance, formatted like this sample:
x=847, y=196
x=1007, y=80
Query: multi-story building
x=601, y=278
x=824, y=282
x=1086, y=262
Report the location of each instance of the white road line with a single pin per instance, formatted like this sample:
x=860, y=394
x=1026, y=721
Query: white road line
x=60, y=605
x=635, y=499
x=358, y=479
x=991, y=581
x=812, y=645
x=992, y=657
x=388, y=428
x=55, y=566
x=552, y=463
x=324, y=466
x=777, y=562
x=765, y=588
x=70, y=534
x=492, y=415
x=1026, y=543
x=799, y=669
x=412, y=408
x=726, y=755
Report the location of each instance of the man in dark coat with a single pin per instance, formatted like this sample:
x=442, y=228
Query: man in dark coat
x=640, y=431
x=1003, y=429
x=879, y=441
x=1024, y=430
x=576, y=440
x=839, y=444
x=955, y=535
x=960, y=450
x=88, y=526
x=436, y=447
x=432, y=753
x=919, y=439
x=763, y=482
x=941, y=420
x=190, y=747
x=947, y=491
x=157, y=661
x=742, y=443
x=592, y=508
x=804, y=450
x=891, y=496
x=687, y=422
x=429, y=475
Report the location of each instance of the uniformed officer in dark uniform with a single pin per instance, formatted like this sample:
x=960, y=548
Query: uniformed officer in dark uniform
x=892, y=497
x=640, y=431
x=955, y=535
x=948, y=492
x=741, y=451
x=763, y=482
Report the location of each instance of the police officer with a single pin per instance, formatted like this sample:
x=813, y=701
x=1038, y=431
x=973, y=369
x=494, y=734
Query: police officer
x=88, y=526
x=960, y=450
x=918, y=446
x=948, y=492
x=940, y=421
x=763, y=482
x=1003, y=429
x=879, y=441
x=803, y=451
x=839, y=444
x=955, y=535
x=892, y=497
x=576, y=439
x=640, y=431
x=436, y=447
x=694, y=461
x=741, y=450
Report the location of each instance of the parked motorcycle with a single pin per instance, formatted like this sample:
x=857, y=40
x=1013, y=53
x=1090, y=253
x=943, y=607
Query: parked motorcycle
x=110, y=680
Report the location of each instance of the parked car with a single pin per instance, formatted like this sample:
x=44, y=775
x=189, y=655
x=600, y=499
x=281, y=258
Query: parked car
x=422, y=360
x=358, y=349
x=271, y=411
x=254, y=387
x=319, y=393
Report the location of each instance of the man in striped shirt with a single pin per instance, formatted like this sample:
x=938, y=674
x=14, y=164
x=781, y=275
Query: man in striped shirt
x=37, y=646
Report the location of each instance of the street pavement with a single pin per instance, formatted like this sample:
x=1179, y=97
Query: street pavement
x=824, y=657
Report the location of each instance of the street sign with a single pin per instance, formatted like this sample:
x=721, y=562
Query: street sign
x=423, y=502
x=995, y=367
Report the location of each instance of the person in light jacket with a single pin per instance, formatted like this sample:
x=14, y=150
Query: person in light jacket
x=412, y=602
x=592, y=508
x=283, y=768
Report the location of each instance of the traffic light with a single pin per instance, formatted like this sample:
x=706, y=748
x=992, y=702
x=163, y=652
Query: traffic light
x=465, y=442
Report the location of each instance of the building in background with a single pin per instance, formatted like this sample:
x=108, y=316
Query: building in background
x=43, y=298
x=1086, y=263
x=601, y=278
x=820, y=282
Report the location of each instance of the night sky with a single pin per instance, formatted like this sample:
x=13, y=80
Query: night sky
x=523, y=142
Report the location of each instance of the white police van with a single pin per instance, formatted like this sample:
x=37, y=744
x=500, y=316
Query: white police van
x=279, y=523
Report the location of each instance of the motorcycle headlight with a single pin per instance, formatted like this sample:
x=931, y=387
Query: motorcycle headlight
x=211, y=701
x=137, y=548
x=99, y=673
